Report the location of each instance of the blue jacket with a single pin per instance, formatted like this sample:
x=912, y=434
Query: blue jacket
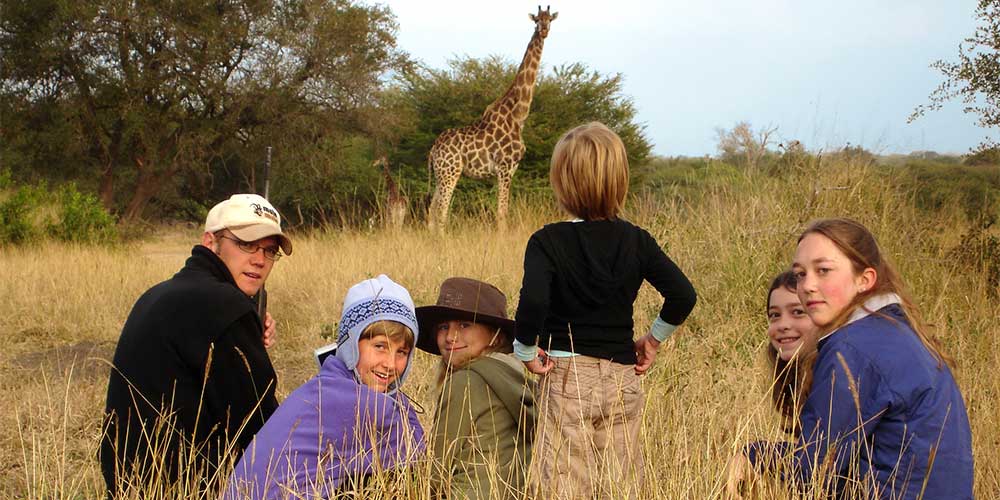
x=912, y=425
x=328, y=432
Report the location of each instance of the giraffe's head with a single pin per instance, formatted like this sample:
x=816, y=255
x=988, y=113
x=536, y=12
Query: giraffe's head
x=542, y=20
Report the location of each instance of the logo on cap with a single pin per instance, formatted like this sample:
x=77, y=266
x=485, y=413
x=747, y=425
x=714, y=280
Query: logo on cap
x=262, y=211
x=452, y=298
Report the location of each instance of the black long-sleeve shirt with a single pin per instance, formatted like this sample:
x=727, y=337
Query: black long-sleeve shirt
x=580, y=281
x=190, y=367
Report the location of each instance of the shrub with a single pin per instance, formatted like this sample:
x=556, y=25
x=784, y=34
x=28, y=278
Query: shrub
x=16, y=211
x=976, y=190
x=82, y=218
x=691, y=177
x=984, y=156
x=979, y=252
x=29, y=213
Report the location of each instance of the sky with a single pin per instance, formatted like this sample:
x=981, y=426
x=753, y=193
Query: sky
x=823, y=72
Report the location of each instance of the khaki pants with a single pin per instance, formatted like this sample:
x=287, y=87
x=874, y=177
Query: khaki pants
x=587, y=446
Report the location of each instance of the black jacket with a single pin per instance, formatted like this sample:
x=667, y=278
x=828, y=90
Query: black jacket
x=196, y=322
x=581, y=278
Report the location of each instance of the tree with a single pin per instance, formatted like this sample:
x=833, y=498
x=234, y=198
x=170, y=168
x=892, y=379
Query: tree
x=572, y=95
x=984, y=156
x=160, y=92
x=975, y=78
x=744, y=145
x=567, y=96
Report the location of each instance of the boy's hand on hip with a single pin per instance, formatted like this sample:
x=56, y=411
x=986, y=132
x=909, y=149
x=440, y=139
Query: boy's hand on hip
x=645, y=353
x=269, y=331
x=541, y=364
x=738, y=472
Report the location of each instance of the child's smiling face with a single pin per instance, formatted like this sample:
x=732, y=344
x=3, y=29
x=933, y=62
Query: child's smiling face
x=381, y=361
x=789, y=329
x=462, y=341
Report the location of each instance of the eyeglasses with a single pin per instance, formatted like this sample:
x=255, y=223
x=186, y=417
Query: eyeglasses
x=270, y=253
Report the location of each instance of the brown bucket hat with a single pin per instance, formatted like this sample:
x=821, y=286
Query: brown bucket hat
x=465, y=299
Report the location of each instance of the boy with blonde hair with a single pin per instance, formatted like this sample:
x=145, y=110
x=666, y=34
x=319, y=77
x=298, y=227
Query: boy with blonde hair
x=581, y=278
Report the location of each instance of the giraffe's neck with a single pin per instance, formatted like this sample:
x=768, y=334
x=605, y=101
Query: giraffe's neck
x=391, y=184
x=516, y=101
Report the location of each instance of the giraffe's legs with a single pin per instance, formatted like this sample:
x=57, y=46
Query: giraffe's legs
x=443, y=189
x=503, y=193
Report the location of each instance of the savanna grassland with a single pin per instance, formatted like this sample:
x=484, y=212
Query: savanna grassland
x=64, y=305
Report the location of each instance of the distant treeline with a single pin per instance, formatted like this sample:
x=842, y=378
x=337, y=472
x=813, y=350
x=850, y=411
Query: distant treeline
x=45, y=209
x=969, y=183
x=153, y=111
x=160, y=109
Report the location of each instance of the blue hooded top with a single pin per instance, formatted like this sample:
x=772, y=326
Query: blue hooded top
x=884, y=412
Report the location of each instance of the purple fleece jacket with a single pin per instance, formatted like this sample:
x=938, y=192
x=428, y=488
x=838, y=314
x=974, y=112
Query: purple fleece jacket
x=328, y=433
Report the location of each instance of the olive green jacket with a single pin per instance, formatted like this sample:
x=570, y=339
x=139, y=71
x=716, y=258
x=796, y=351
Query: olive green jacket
x=483, y=430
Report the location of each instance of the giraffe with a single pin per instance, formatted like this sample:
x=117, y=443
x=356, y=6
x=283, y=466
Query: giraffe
x=394, y=213
x=492, y=145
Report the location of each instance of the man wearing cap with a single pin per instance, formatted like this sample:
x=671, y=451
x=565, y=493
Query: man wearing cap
x=192, y=382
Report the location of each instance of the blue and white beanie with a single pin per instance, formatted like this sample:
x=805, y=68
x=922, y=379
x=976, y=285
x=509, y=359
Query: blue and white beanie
x=367, y=302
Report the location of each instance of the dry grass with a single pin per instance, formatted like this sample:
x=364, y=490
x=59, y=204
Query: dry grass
x=64, y=307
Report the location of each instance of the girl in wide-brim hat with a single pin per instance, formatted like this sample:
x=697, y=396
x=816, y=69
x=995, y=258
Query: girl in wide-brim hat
x=485, y=419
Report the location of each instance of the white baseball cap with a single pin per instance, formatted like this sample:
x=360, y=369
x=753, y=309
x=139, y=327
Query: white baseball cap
x=248, y=216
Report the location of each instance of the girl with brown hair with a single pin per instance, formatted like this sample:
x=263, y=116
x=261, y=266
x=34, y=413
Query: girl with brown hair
x=485, y=420
x=884, y=417
x=791, y=347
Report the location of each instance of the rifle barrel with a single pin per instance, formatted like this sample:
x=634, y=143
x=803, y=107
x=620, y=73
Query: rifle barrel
x=262, y=294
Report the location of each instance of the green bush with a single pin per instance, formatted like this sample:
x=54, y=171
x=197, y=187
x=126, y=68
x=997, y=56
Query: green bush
x=690, y=177
x=16, y=226
x=30, y=213
x=976, y=190
x=984, y=156
x=82, y=218
x=979, y=252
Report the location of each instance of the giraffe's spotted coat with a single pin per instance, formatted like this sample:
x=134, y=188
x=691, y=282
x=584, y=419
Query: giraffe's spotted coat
x=492, y=145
